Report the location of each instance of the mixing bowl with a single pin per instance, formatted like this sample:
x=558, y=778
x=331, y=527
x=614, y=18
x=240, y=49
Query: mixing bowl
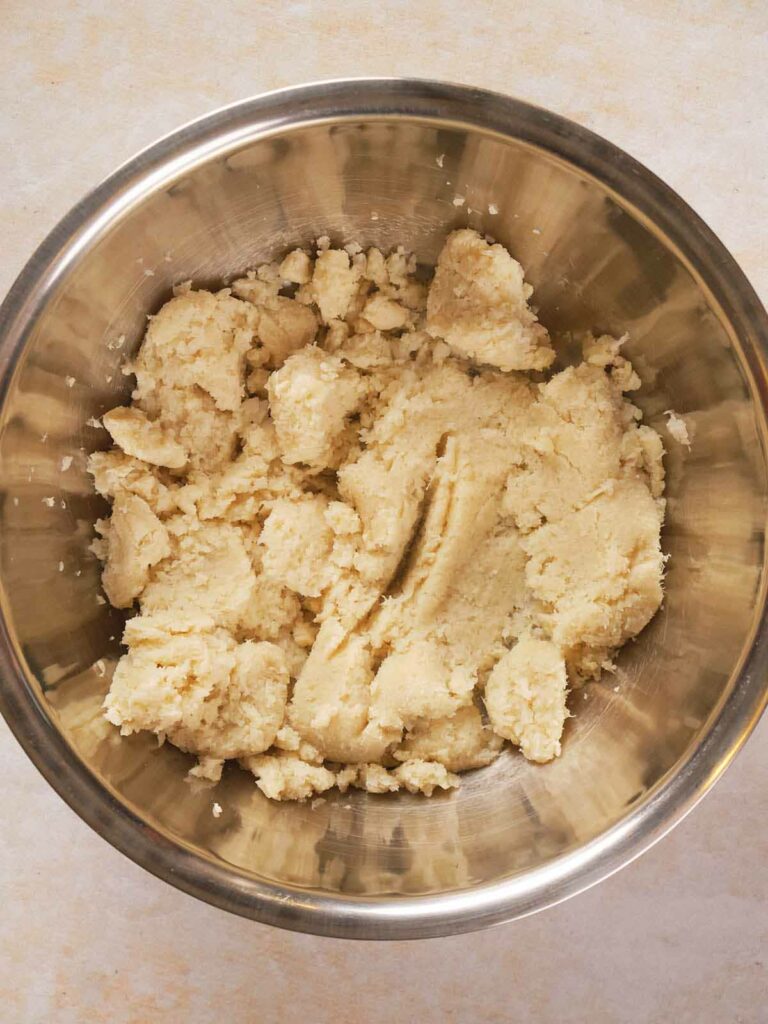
x=606, y=245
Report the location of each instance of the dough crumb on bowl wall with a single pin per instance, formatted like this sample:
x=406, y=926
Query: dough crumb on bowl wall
x=370, y=539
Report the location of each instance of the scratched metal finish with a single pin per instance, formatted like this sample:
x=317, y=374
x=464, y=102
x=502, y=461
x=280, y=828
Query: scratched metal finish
x=606, y=246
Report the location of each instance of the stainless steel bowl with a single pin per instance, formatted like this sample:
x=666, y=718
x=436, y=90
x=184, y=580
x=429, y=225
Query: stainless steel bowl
x=606, y=245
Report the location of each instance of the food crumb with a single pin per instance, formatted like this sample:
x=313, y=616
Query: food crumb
x=677, y=427
x=61, y=567
x=440, y=160
x=216, y=810
x=95, y=423
x=70, y=381
x=66, y=462
x=459, y=200
x=50, y=502
x=493, y=209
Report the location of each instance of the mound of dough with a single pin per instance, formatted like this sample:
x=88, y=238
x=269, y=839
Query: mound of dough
x=191, y=682
x=525, y=697
x=367, y=549
x=478, y=304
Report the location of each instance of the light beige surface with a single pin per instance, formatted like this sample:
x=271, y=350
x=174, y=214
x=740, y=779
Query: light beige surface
x=679, y=936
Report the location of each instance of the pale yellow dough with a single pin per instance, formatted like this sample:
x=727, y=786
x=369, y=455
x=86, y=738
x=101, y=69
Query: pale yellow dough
x=369, y=542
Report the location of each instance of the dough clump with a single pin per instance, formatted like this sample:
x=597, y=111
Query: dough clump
x=368, y=542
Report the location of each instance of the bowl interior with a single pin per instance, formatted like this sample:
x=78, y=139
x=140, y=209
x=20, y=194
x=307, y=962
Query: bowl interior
x=594, y=261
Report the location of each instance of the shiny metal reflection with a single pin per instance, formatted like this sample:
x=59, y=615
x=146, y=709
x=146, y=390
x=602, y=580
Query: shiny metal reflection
x=606, y=245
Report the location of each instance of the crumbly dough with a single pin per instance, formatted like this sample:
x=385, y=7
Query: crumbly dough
x=478, y=303
x=525, y=697
x=369, y=541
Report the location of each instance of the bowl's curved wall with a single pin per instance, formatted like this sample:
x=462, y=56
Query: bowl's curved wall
x=605, y=246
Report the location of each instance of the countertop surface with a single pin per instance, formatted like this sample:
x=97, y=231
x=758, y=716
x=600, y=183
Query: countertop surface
x=680, y=935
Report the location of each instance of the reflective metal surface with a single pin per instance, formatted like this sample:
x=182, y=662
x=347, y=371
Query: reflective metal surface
x=606, y=245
